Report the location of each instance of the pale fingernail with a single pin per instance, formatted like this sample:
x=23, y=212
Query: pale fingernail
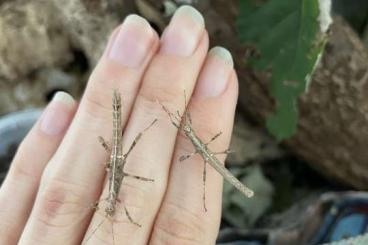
x=132, y=43
x=215, y=74
x=183, y=33
x=57, y=114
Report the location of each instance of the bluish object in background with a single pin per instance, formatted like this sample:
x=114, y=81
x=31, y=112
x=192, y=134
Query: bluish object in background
x=330, y=218
x=349, y=227
x=13, y=128
x=347, y=218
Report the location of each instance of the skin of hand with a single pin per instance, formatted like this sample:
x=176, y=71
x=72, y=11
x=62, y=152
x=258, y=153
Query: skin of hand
x=58, y=171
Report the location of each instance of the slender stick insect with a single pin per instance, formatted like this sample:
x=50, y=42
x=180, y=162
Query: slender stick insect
x=184, y=122
x=116, y=164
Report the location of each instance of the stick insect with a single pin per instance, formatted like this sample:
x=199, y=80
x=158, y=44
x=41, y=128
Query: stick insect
x=116, y=164
x=184, y=123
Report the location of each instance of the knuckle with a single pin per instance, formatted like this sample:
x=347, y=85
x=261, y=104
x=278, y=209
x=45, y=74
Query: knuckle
x=150, y=94
x=176, y=225
x=22, y=173
x=60, y=203
x=150, y=101
x=97, y=104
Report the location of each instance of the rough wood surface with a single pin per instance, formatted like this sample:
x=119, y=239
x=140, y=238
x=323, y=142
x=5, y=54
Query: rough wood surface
x=29, y=33
x=333, y=127
x=332, y=132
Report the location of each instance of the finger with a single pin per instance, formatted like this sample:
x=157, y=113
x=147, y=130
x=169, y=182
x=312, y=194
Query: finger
x=182, y=218
x=72, y=181
x=174, y=69
x=19, y=189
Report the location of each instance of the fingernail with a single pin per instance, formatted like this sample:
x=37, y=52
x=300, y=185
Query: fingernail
x=57, y=114
x=132, y=43
x=215, y=74
x=183, y=33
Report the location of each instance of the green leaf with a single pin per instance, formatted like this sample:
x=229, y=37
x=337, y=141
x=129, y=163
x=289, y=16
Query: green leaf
x=289, y=37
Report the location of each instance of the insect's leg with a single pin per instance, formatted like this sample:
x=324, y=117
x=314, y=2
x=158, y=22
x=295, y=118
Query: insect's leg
x=185, y=157
x=107, y=147
x=228, y=151
x=104, y=144
x=189, y=117
x=185, y=99
x=113, y=234
x=138, y=177
x=94, y=230
x=130, y=218
x=214, y=138
x=204, y=185
x=95, y=205
x=107, y=166
x=137, y=138
x=175, y=118
x=178, y=116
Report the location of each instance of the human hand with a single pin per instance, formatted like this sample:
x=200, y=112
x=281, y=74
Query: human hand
x=58, y=171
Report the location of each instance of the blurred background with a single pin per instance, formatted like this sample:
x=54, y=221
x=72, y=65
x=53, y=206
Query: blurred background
x=309, y=185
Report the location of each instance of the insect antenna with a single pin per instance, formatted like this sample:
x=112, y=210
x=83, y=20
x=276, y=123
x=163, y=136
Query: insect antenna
x=113, y=234
x=94, y=231
x=130, y=217
x=172, y=117
x=185, y=99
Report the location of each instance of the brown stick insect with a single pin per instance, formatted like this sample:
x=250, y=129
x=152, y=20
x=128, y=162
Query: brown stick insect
x=116, y=164
x=184, y=123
